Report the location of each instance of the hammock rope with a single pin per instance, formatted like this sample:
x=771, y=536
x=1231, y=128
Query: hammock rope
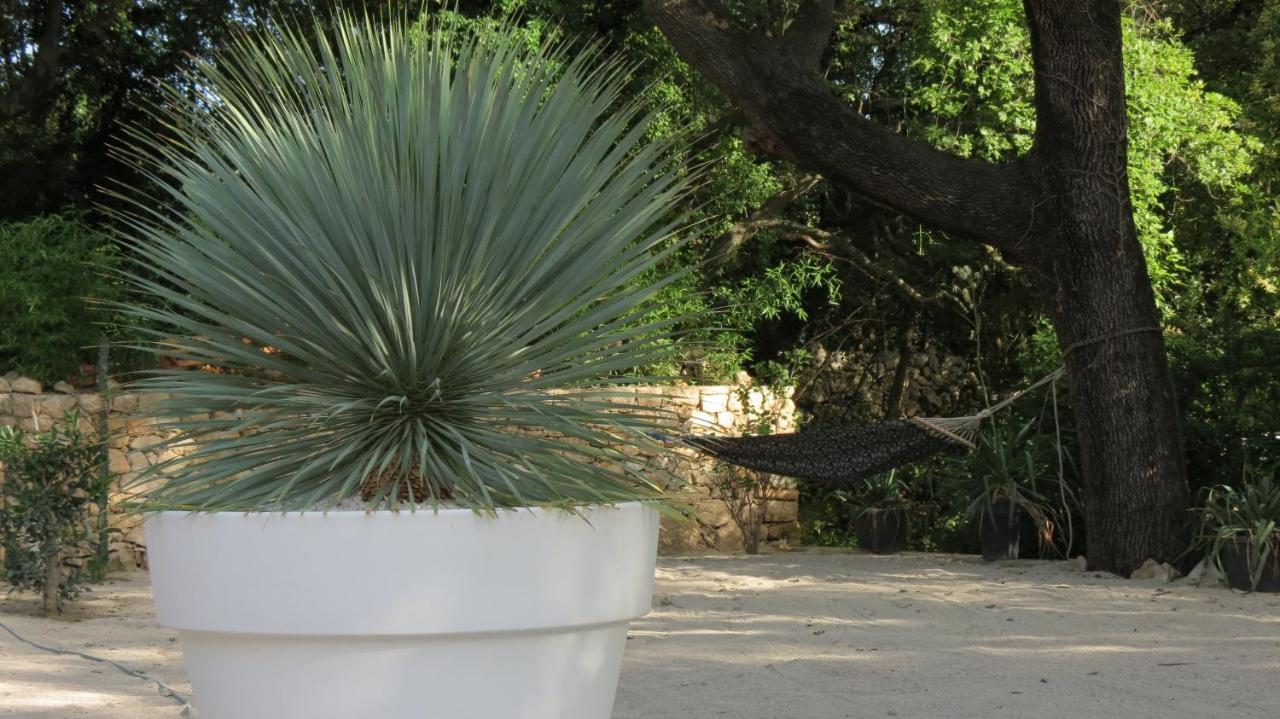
x=848, y=454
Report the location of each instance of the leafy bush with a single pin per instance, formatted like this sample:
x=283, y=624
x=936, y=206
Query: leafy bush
x=1248, y=513
x=49, y=482
x=416, y=262
x=51, y=271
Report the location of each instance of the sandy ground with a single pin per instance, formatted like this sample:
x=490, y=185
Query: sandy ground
x=810, y=634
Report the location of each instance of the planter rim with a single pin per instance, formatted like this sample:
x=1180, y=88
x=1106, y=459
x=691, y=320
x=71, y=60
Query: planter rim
x=496, y=513
x=356, y=573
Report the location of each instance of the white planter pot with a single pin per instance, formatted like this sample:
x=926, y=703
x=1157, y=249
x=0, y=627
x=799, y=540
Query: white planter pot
x=397, y=615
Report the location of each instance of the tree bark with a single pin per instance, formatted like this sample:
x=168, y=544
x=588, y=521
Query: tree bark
x=1094, y=278
x=52, y=597
x=1063, y=211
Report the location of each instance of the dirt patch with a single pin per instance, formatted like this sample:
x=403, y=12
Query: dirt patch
x=817, y=634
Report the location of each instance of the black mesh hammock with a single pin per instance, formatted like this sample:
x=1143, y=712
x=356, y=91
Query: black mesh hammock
x=849, y=454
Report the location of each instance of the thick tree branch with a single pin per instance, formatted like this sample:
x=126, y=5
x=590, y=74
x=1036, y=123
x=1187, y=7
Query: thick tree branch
x=804, y=121
x=806, y=37
x=759, y=219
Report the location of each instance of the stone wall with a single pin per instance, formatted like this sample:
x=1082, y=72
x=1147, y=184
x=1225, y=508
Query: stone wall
x=854, y=386
x=734, y=409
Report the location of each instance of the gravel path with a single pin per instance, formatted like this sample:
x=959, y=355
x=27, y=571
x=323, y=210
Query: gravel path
x=812, y=634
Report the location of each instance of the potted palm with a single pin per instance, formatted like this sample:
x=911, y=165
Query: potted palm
x=1001, y=487
x=414, y=264
x=880, y=519
x=1240, y=530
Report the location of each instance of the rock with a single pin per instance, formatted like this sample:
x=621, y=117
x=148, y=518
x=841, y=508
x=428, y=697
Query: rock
x=117, y=462
x=1151, y=569
x=742, y=379
x=1077, y=565
x=55, y=405
x=64, y=388
x=138, y=461
x=713, y=403
x=91, y=403
x=124, y=404
x=725, y=419
x=781, y=512
x=684, y=396
x=4, y=385
x=25, y=385
x=1205, y=573
x=700, y=421
x=145, y=441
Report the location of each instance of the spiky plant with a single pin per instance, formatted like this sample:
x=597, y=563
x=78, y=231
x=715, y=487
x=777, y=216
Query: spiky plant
x=414, y=261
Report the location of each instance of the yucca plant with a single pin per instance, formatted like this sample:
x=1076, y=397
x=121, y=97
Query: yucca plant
x=415, y=266
x=1244, y=520
x=1008, y=466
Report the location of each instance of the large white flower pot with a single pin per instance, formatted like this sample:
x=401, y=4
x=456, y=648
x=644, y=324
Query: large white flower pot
x=429, y=615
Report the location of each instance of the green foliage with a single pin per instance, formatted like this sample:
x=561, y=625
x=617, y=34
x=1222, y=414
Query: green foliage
x=1007, y=465
x=417, y=262
x=1248, y=512
x=52, y=271
x=49, y=482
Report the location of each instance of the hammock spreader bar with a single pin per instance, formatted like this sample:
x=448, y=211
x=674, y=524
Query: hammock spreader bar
x=849, y=454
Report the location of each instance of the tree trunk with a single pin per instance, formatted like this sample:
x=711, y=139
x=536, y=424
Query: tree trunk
x=53, y=582
x=1064, y=212
x=1092, y=271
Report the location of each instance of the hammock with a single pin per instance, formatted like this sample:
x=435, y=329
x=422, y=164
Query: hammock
x=850, y=454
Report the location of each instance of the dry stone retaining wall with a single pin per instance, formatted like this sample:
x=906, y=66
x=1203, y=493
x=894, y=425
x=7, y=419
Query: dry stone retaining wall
x=133, y=445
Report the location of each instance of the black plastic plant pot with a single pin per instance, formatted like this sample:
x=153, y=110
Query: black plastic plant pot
x=999, y=531
x=883, y=531
x=1235, y=562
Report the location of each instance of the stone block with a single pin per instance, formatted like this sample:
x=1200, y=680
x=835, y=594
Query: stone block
x=4, y=385
x=64, y=388
x=117, y=462
x=779, y=511
x=700, y=421
x=789, y=532
x=124, y=403
x=25, y=385
x=55, y=405
x=138, y=461
x=784, y=494
x=91, y=403
x=726, y=419
x=684, y=396
x=712, y=512
x=145, y=441
x=22, y=405
x=717, y=402
x=735, y=402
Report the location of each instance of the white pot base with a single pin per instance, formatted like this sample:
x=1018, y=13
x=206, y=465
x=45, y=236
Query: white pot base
x=447, y=615
x=542, y=675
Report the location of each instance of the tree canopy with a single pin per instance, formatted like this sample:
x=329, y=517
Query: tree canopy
x=818, y=284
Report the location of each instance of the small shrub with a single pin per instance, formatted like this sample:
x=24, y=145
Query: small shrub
x=49, y=483
x=746, y=495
